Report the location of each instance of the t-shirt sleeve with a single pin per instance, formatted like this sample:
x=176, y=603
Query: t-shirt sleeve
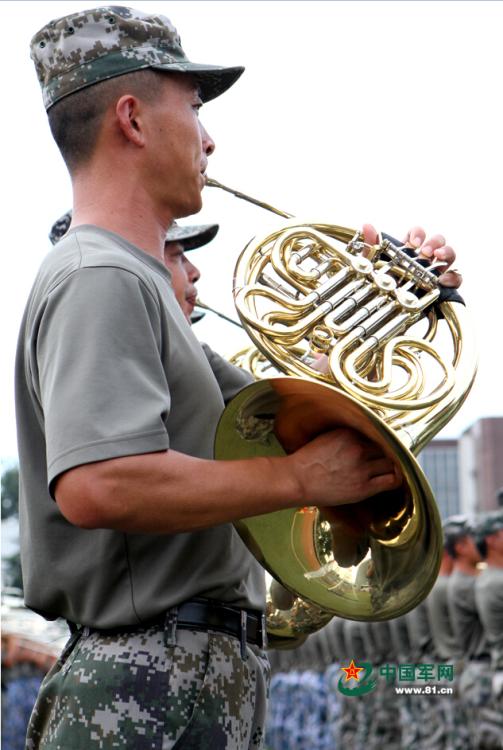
x=103, y=389
x=230, y=378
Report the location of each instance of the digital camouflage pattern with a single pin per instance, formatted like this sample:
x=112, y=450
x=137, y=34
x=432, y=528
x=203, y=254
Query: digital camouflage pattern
x=60, y=227
x=132, y=692
x=193, y=236
x=489, y=598
x=385, y=726
x=81, y=49
x=475, y=695
x=490, y=727
x=489, y=523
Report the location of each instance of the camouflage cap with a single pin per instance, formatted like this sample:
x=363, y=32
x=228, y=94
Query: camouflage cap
x=489, y=523
x=84, y=48
x=190, y=237
x=456, y=527
x=60, y=227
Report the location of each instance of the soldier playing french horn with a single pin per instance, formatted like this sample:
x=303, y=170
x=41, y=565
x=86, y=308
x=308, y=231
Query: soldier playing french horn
x=126, y=519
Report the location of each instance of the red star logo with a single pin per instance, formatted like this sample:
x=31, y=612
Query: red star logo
x=352, y=671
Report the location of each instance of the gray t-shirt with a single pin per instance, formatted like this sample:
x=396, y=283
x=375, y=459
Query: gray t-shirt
x=353, y=638
x=369, y=643
x=419, y=631
x=442, y=631
x=384, y=642
x=489, y=599
x=400, y=639
x=107, y=366
x=468, y=630
x=335, y=633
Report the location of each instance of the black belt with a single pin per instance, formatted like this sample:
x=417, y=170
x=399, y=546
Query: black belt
x=203, y=614
x=206, y=614
x=480, y=657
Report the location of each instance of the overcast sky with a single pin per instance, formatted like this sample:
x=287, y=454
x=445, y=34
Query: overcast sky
x=349, y=112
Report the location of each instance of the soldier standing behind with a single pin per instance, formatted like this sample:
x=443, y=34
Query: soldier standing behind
x=350, y=710
x=401, y=641
x=386, y=730
x=471, y=646
x=335, y=633
x=362, y=706
x=444, y=642
x=489, y=600
x=426, y=716
x=454, y=734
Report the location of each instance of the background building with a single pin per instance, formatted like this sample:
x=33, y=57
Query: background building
x=466, y=474
x=440, y=462
x=481, y=465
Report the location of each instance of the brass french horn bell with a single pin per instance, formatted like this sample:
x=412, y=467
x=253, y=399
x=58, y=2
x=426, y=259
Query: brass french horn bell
x=401, y=361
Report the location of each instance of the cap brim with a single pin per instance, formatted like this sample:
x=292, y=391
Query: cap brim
x=212, y=79
x=205, y=236
x=196, y=316
x=192, y=236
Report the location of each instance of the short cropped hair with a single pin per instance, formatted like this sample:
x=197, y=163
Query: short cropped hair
x=75, y=120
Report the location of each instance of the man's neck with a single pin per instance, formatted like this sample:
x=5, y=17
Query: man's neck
x=445, y=567
x=121, y=208
x=494, y=559
x=466, y=567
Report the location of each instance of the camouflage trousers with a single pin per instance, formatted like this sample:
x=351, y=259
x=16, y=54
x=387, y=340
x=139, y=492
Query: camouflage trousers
x=385, y=731
x=475, y=693
x=133, y=692
x=490, y=726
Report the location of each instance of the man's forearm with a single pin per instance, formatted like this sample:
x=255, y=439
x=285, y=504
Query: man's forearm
x=171, y=492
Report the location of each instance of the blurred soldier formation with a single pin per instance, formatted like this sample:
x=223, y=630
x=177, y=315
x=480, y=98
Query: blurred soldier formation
x=458, y=628
x=30, y=646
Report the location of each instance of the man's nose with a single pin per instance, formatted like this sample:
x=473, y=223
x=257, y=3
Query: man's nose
x=193, y=273
x=207, y=141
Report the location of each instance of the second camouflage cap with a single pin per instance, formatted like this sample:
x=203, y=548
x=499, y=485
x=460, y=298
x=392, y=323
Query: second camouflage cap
x=457, y=526
x=489, y=523
x=84, y=48
x=191, y=236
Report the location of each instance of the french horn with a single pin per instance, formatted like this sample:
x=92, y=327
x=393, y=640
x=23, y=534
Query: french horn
x=400, y=361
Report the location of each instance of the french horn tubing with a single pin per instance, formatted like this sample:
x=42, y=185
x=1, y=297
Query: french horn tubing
x=401, y=361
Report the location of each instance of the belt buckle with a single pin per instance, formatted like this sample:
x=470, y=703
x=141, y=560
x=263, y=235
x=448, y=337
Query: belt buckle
x=263, y=632
x=242, y=639
x=170, y=624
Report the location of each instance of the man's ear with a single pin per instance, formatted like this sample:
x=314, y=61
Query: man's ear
x=129, y=120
